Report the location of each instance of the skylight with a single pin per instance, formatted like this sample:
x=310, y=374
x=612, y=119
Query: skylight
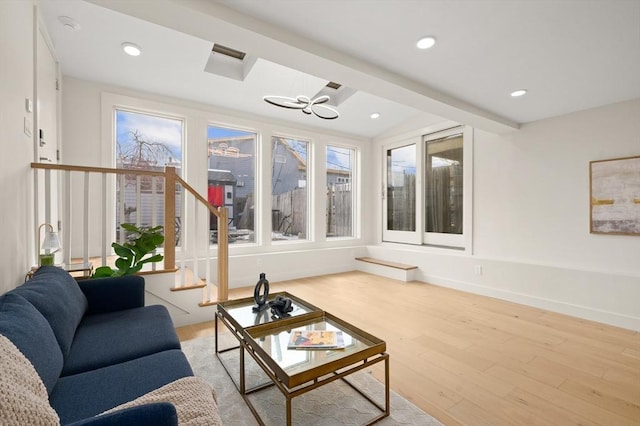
x=227, y=51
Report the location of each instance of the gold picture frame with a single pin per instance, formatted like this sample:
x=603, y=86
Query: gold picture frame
x=614, y=193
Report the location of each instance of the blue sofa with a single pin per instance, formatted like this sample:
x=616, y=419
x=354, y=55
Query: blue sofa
x=95, y=345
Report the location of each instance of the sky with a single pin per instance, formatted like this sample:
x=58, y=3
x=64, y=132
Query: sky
x=169, y=131
x=339, y=158
x=403, y=160
x=152, y=128
x=214, y=132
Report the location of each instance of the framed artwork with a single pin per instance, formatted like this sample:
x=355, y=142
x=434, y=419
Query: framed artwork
x=615, y=196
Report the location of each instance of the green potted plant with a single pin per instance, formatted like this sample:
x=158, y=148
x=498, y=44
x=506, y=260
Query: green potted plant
x=131, y=255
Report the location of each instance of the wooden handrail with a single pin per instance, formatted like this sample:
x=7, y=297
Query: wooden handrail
x=49, y=166
x=200, y=198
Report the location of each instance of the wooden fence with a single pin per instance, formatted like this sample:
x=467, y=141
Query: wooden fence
x=289, y=212
x=339, y=210
x=401, y=205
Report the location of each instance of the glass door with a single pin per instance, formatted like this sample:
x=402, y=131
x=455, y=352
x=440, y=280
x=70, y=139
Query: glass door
x=401, y=188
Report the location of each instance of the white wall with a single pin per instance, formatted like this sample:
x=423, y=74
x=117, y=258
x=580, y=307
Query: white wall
x=531, y=220
x=532, y=190
x=86, y=130
x=16, y=85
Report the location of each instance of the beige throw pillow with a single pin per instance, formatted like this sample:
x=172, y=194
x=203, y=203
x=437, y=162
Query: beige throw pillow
x=193, y=398
x=23, y=397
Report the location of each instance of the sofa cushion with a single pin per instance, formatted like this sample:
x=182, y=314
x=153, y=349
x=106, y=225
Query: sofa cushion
x=113, y=293
x=115, y=337
x=192, y=397
x=87, y=394
x=57, y=296
x=21, y=323
x=23, y=396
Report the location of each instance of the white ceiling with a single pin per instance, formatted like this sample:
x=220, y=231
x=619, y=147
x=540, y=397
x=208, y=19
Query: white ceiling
x=569, y=54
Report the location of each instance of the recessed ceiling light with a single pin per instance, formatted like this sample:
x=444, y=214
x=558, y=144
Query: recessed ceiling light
x=68, y=23
x=518, y=93
x=131, y=49
x=374, y=115
x=426, y=42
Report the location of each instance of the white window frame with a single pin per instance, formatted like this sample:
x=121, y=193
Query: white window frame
x=406, y=237
x=355, y=190
x=257, y=222
x=420, y=236
x=110, y=104
x=195, y=167
x=459, y=241
x=309, y=182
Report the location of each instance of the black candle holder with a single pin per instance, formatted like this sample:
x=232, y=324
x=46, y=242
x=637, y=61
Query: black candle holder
x=261, y=294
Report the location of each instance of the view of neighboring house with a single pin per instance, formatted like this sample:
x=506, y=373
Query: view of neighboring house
x=232, y=175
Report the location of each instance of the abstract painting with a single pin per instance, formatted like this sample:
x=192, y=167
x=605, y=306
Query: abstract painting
x=615, y=196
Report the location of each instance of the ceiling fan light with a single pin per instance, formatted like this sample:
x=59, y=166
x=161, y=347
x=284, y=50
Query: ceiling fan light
x=305, y=104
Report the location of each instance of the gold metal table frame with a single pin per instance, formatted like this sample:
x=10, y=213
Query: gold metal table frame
x=237, y=316
x=362, y=351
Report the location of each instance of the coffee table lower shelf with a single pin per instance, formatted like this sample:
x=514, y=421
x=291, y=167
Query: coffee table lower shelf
x=289, y=394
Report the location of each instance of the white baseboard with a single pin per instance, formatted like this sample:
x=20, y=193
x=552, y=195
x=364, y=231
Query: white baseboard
x=591, y=314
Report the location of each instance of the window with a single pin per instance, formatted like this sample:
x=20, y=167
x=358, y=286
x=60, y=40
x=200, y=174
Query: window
x=145, y=142
x=447, y=174
x=231, y=180
x=290, y=200
x=340, y=191
x=434, y=210
x=444, y=185
x=401, y=188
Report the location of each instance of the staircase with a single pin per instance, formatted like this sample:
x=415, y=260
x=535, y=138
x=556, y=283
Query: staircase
x=187, y=303
x=57, y=189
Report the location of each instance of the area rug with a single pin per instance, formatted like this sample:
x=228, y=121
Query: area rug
x=333, y=404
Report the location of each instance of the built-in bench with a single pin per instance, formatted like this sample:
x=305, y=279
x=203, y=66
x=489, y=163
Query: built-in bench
x=394, y=270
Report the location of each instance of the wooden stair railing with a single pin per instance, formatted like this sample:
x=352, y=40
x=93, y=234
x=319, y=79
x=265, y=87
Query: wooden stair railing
x=170, y=180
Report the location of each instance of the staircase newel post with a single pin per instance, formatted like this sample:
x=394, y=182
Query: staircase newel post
x=223, y=254
x=169, y=218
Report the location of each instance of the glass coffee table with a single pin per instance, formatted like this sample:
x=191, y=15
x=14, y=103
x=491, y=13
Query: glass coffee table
x=294, y=371
x=237, y=315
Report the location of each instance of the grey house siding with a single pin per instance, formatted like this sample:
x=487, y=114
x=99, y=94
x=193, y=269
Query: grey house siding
x=288, y=170
x=242, y=167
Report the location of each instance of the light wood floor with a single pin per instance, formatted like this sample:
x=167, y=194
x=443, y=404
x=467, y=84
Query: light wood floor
x=474, y=360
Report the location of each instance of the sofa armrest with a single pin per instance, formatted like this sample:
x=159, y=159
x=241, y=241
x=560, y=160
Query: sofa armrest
x=113, y=294
x=157, y=414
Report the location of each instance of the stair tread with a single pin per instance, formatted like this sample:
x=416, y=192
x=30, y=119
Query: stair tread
x=188, y=287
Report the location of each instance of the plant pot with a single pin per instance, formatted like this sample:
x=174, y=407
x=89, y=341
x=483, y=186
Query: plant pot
x=47, y=259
